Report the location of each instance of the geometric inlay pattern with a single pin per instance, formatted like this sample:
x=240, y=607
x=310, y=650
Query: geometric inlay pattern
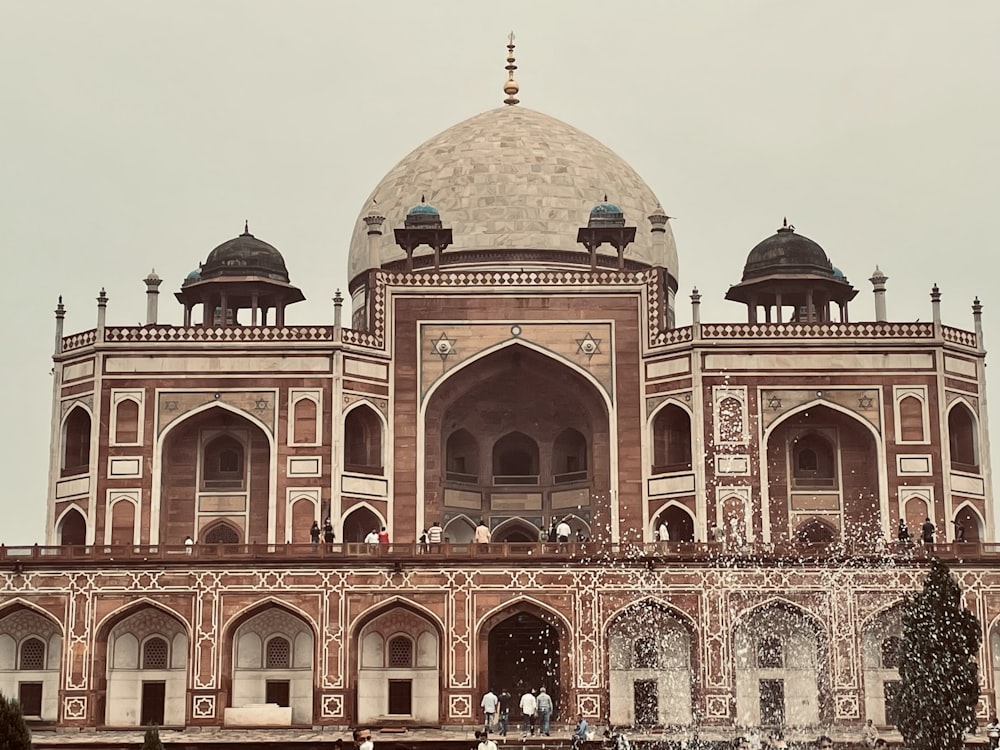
x=75, y=707
x=203, y=707
x=333, y=706
x=461, y=707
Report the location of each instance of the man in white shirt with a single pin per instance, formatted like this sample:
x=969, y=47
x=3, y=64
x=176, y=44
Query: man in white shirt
x=489, y=705
x=664, y=533
x=563, y=531
x=528, y=707
x=372, y=537
x=482, y=533
x=434, y=536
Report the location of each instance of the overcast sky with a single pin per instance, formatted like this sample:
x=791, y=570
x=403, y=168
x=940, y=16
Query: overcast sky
x=140, y=135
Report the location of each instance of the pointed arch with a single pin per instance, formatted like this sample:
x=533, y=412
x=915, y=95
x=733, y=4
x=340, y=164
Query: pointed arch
x=110, y=620
x=555, y=356
x=515, y=459
x=18, y=604
x=398, y=662
x=364, y=433
x=220, y=532
x=963, y=436
x=512, y=529
x=263, y=495
x=355, y=525
x=653, y=644
x=71, y=526
x=670, y=427
x=460, y=529
x=679, y=519
x=269, y=639
x=76, y=430
x=879, y=469
x=967, y=517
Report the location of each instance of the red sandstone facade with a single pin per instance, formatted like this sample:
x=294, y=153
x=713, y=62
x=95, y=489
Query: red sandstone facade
x=180, y=584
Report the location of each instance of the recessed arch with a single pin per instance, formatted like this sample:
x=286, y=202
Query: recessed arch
x=364, y=434
x=220, y=532
x=404, y=682
x=963, y=436
x=533, y=649
x=460, y=529
x=516, y=530
x=781, y=649
x=273, y=630
x=679, y=519
x=359, y=520
x=855, y=497
x=971, y=521
x=672, y=443
x=71, y=526
x=558, y=358
x=75, y=450
x=120, y=667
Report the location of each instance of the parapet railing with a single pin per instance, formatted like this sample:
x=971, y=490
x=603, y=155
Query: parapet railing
x=157, y=334
x=650, y=555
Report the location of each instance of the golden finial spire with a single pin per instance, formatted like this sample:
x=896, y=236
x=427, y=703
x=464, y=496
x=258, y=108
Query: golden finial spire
x=510, y=88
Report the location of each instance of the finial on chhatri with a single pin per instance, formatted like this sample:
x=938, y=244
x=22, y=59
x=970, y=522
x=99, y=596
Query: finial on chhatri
x=246, y=226
x=511, y=88
x=785, y=226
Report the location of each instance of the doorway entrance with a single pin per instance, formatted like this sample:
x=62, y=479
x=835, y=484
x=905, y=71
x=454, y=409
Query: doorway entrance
x=646, y=701
x=30, y=696
x=154, y=696
x=523, y=655
x=772, y=703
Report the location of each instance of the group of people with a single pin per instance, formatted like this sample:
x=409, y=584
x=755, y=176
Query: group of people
x=926, y=532
x=315, y=532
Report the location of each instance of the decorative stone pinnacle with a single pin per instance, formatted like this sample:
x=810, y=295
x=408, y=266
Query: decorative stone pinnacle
x=935, y=294
x=102, y=298
x=246, y=226
x=695, y=296
x=977, y=306
x=510, y=87
x=338, y=298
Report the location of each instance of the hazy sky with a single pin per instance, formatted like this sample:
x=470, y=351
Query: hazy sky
x=140, y=135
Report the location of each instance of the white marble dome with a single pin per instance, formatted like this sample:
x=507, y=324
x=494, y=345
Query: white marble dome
x=512, y=179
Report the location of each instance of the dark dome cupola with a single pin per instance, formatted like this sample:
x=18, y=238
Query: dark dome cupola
x=789, y=270
x=241, y=273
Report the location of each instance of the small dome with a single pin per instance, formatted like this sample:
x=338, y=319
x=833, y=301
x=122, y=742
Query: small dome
x=423, y=208
x=786, y=252
x=245, y=256
x=606, y=208
x=195, y=275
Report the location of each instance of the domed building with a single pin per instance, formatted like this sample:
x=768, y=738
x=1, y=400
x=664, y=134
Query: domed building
x=676, y=528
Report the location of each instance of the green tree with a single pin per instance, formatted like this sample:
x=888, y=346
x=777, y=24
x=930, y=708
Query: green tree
x=14, y=732
x=939, y=676
x=152, y=739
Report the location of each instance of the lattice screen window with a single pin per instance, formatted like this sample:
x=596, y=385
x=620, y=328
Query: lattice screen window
x=770, y=654
x=154, y=654
x=644, y=653
x=33, y=654
x=279, y=654
x=401, y=652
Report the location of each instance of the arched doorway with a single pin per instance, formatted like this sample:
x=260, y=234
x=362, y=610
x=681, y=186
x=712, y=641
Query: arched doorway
x=358, y=523
x=30, y=654
x=650, y=660
x=680, y=525
x=272, y=662
x=524, y=652
x=820, y=468
x=398, y=675
x=73, y=528
x=517, y=433
x=216, y=469
x=516, y=530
